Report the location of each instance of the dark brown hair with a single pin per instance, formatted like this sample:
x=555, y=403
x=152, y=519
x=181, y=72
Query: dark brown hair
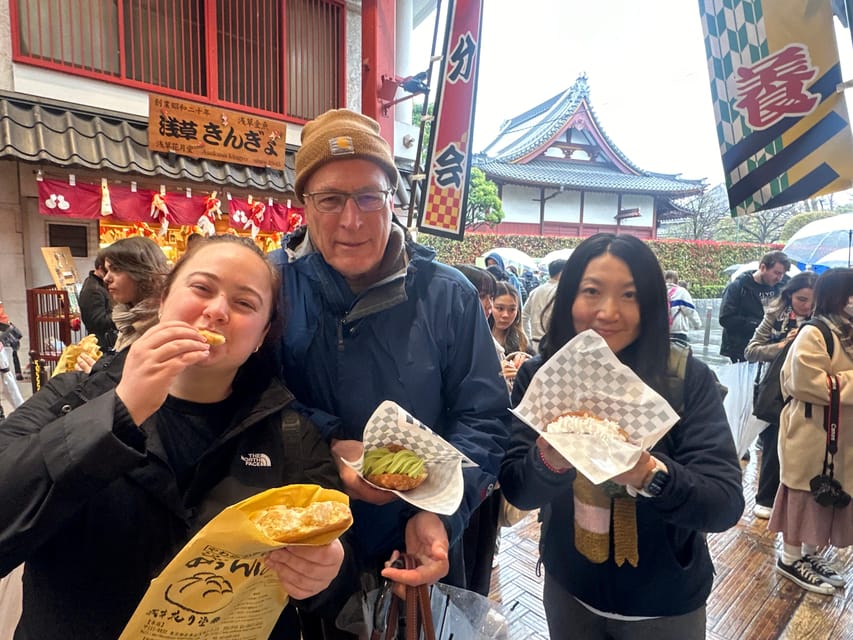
x=141, y=259
x=832, y=290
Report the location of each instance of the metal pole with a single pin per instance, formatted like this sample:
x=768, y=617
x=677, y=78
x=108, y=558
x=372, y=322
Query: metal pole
x=848, y=4
x=708, y=316
x=417, y=171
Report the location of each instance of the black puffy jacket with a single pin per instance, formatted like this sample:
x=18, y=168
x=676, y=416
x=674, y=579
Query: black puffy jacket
x=95, y=519
x=741, y=311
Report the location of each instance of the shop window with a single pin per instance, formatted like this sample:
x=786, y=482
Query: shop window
x=280, y=57
x=73, y=236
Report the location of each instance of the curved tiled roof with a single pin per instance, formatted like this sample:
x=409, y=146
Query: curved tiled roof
x=585, y=176
x=539, y=125
x=41, y=130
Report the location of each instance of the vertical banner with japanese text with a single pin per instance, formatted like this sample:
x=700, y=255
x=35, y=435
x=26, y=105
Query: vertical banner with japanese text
x=449, y=161
x=784, y=131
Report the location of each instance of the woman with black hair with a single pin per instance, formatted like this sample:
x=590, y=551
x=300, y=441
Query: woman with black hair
x=780, y=325
x=505, y=323
x=806, y=524
x=688, y=484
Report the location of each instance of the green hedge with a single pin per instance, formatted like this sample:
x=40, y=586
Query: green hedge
x=699, y=262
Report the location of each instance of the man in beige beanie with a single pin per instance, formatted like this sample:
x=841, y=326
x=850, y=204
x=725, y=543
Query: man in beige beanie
x=371, y=316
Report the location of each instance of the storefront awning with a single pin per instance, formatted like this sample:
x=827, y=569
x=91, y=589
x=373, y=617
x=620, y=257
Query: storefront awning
x=41, y=130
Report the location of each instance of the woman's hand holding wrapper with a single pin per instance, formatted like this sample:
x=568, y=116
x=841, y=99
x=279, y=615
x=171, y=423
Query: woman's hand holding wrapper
x=551, y=456
x=305, y=571
x=634, y=477
x=354, y=485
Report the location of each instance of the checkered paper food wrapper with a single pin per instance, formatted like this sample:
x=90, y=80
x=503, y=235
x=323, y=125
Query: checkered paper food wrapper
x=585, y=375
x=442, y=490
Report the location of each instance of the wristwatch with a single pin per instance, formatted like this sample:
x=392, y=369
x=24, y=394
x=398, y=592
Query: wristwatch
x=656, y=480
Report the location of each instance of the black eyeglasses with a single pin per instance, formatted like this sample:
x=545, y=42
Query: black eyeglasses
x=335, y=201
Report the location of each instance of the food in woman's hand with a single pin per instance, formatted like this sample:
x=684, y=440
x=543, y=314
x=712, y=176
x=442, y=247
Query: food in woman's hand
x=213, y=339
x=394, y=467
x=292, y=524
x=88, y=345
x=583, y=423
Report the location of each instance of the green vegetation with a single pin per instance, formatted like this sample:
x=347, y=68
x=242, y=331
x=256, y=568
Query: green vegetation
x=699, y=262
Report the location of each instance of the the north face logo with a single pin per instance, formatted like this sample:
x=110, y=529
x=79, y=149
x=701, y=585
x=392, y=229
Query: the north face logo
x=256, y=460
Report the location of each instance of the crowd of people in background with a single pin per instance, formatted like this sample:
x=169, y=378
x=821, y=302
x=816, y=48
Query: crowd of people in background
x=132, y=454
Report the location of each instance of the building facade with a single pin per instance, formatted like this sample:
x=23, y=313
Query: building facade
x=558, y=173
x=77, y=78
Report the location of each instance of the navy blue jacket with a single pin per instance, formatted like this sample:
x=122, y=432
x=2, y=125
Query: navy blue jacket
x=675, y=573
x=418, y=338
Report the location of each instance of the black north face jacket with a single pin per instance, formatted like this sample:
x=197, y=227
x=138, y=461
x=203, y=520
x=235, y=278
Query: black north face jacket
x=95, y=519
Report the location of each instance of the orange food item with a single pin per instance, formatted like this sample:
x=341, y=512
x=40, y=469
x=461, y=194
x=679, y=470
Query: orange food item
x=292, y=524
x=213, y=339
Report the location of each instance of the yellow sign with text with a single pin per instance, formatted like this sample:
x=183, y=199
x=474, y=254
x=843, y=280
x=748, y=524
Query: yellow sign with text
x=207, y=131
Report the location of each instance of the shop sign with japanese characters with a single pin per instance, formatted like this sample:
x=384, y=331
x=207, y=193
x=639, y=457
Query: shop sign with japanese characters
x=206, y=131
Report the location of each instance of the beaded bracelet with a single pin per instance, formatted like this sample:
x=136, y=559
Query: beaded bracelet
x=548, y=466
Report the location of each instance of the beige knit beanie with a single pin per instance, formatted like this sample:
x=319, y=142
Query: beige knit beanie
x=341, y=134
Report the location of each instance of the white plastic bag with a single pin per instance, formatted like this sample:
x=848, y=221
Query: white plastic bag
x=456, y=613
x=739, y=378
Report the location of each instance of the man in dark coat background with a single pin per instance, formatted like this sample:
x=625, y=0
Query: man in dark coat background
x=744, y=300
x=96, y=306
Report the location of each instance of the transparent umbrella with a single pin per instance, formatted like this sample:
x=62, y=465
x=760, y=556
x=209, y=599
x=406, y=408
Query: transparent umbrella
x=559, y=254
x=820, y=238
x=838, y=258
x=515, y=257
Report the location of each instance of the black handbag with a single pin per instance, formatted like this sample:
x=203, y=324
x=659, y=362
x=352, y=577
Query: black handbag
x=768, y=400
x=10, y=335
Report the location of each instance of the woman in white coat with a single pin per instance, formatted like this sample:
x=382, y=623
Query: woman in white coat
x=805, y=524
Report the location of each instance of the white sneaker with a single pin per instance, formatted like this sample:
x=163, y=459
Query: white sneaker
x=760, y=511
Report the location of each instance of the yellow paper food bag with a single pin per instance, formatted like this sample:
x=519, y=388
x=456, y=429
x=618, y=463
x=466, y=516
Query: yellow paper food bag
x=68, y=359
x=218, y=587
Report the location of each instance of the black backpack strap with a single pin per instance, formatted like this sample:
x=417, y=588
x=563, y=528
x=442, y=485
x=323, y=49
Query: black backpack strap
x=292, y=435
x=679, y=351
x=826, y=332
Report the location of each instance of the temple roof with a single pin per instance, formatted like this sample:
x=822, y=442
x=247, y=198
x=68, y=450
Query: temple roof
x=560, y=142
x=544, y=171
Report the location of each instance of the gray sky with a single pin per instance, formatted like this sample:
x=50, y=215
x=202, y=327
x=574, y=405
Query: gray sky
x=646, y=68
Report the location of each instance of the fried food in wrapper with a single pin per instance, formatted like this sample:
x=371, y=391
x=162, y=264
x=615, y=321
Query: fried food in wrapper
x=442, y=490
x=586, y=376
x=218, y=586
x=68, y=359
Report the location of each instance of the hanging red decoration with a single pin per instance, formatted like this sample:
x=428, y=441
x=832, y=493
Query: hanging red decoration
x=160, y=212
x=92, y=201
